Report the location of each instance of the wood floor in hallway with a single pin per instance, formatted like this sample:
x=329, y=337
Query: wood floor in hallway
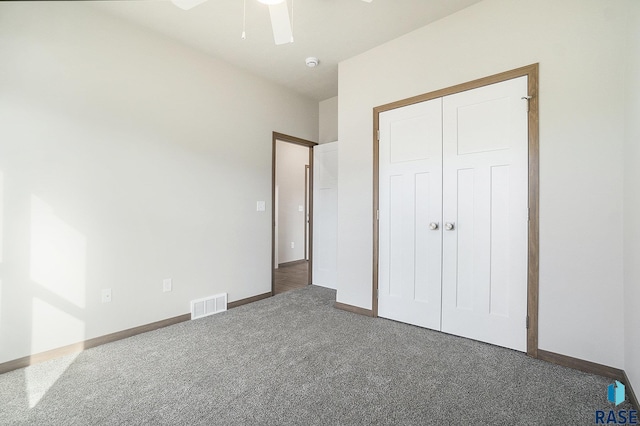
x=291, y=276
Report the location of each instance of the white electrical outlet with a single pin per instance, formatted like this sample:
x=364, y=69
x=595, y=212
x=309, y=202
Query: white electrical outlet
x=167, y=284
x=293, y=245
x=300, y=208
x=106, y=295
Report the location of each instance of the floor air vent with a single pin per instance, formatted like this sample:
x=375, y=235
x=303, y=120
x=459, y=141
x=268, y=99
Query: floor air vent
x=208, y=305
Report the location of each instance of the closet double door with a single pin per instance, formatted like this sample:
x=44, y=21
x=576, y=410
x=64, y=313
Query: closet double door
x=453, y=214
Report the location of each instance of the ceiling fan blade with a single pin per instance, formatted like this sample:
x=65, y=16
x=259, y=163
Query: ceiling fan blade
x=280, y=23
x=187, y=4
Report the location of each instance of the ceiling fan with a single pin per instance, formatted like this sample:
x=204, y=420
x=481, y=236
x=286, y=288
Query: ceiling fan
x=278, y=9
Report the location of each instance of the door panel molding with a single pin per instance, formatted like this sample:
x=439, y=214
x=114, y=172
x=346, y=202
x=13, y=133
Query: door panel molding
x=531, y=71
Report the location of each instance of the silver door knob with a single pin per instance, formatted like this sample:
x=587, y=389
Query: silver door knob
x=434, y=226
x=449, y=226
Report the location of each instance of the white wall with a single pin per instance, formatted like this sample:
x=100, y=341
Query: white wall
x=126, y=158
x=290, y=179
x=328, y=120
x=632, y=202
x=580, y=47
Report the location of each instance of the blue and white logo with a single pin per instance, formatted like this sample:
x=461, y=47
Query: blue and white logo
x=615, y=393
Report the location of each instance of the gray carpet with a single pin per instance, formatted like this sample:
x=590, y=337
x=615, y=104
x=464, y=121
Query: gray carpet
x=294, y=359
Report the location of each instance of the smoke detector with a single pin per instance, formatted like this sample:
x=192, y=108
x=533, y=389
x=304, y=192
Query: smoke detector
x=311, y=62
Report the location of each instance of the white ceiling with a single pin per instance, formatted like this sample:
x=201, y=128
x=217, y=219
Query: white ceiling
x=332, y=30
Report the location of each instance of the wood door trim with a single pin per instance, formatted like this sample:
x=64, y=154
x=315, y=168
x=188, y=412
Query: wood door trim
x=531, y=71
x=528, y=70
x=276, y=136
x=307, y=200
x=534, y=212
x=292, y=139
x=310, y=212
x=376, y=207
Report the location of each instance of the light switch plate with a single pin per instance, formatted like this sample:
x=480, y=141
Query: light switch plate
x=106, y=295
x=167, y=284
x=300, y=208
x=261, y=206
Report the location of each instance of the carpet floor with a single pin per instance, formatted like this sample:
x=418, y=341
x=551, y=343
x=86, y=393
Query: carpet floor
x=293, y=359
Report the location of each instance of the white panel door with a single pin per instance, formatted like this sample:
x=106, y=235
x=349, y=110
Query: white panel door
x=485, y=190
x=325, y=214
x=410, y=166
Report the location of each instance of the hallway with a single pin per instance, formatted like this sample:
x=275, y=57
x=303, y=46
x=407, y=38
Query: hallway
x=291, y=276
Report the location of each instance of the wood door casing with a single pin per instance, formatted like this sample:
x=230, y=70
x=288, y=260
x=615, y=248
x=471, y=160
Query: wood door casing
x=275, y=136
x=532, y=73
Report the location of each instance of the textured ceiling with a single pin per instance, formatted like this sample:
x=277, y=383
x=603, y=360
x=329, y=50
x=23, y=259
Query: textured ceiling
x=332, y=30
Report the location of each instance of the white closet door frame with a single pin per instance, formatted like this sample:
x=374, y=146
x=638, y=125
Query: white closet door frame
x=531, y=71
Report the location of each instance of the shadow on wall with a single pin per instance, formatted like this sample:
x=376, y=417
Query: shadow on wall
x=58, y=274
x=54, y=271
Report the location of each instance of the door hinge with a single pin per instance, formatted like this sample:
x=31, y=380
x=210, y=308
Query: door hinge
x=529, y=213
x=378, y=135
x=377, y=293
x=527, y=322
x=377, y=214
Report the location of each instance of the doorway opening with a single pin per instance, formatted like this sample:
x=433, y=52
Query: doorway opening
x=292, y=213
